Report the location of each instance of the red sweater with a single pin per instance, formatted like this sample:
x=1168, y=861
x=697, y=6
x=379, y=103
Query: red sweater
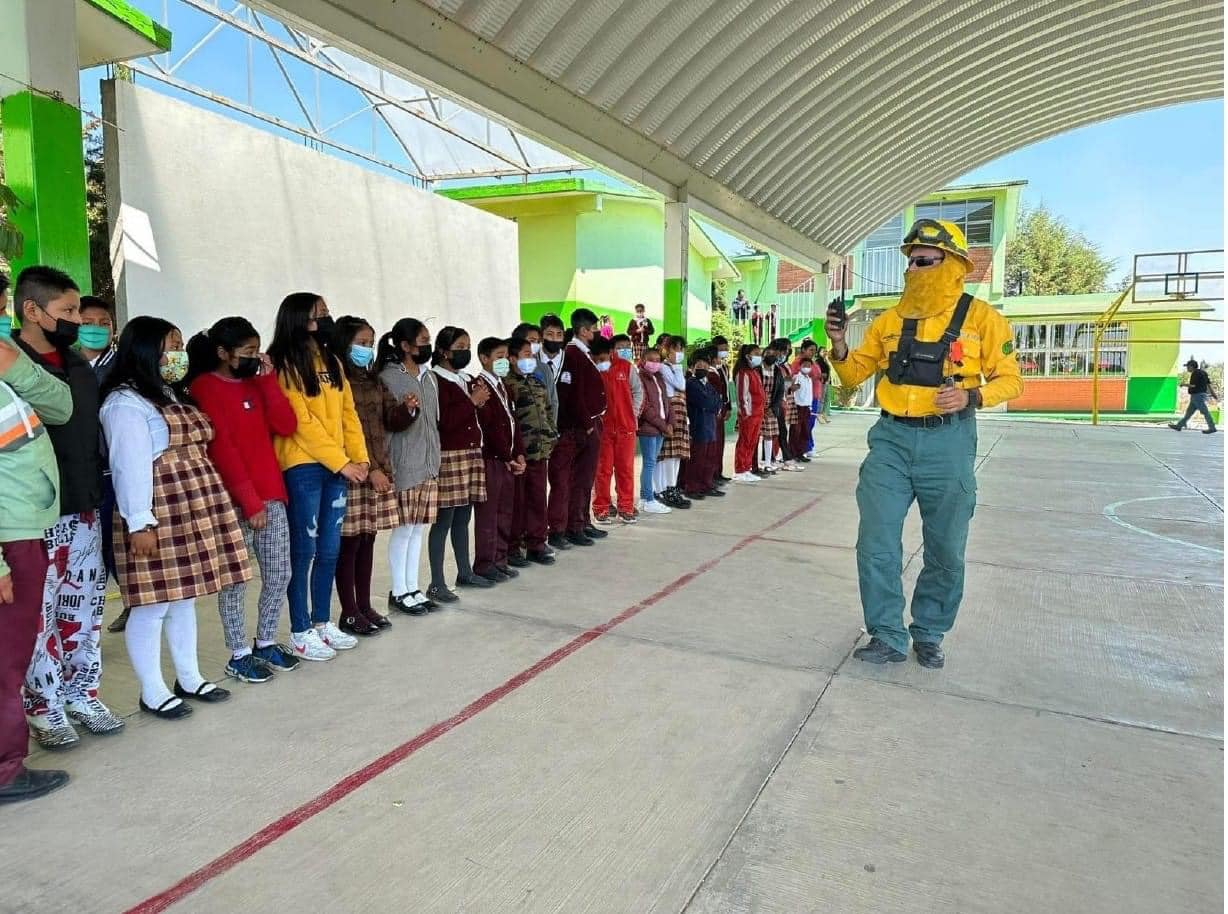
x=620, y=413
x=497, y=416
x=458, y=417
x=751, y=399
x=246, y=415
x=581, y=392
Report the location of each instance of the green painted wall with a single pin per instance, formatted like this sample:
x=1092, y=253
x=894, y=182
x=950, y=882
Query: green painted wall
x=1151, y=395
x=547, y=257
x=1154, y=359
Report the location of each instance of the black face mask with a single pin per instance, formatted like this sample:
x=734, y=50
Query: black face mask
x=64, y=334
x=769, y=360
x=459, y=358
x=324, y=329
x=552, y=347
x=421, y=355
x=247, y=368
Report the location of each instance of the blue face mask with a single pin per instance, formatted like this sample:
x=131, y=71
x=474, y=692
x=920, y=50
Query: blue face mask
x=6, y=325
x=756, y=361
x=362, y=356
x=91, y=336
x=603, y=366
x=526, y=366
x=500, y=367
x=626, y=354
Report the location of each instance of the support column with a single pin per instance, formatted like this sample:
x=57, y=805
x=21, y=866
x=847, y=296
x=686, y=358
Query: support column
x=677, y=262
x=822, y=295
x=44, y=161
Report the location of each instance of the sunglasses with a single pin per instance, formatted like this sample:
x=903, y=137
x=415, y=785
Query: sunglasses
x=922, y=261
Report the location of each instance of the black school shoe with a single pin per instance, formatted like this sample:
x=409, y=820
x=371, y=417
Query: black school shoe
x=929, y=654
x=517, y=560
x=405, y=603
x=879, y=652
x=507, y=571
x=541, y=558
x=714, y=492
x=32, y=783
x=594, y=534
x=558, y=541
x=474, y=580
x=439, y=594
x=579, y=539
x=722, y=479
x=680, y=500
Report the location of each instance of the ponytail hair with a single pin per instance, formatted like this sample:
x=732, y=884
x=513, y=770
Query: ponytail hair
x=229, y=333
x=389, y=351
x=743, y=362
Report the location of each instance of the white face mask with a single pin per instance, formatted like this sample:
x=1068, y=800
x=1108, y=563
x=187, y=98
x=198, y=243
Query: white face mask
x=678, y=356
x=805, y=369
x=723, y=356
x=536, y=347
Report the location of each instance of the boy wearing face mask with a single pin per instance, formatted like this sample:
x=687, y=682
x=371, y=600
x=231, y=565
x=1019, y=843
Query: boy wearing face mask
x=65, y=672
x=703, y=406
x=718, y=377
x=539, y=434
x=803, y=395
x=504, y=458
x=624, y=394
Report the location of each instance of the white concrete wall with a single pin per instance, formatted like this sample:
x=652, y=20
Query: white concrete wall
x=212, y=217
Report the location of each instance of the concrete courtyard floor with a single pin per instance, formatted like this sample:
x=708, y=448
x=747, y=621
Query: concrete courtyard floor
x=672, y=722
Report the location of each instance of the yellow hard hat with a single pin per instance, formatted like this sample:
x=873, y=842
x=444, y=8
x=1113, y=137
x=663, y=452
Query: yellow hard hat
x=937, y=233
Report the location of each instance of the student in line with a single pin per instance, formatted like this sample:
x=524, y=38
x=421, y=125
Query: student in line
x=624, y=394
x=234, y=383
x=748, y=383
x=703, y=405
x=326, y=452
x=773, y=394
x=677, y=445
x=539, y=434
x=718, y=377
x=31, y=400
x=176, y=537
x=803, y=397
x=66, y=669
x=581, y=397
x=553, y=341
x=405, y=371
x=462, y=474
x=370, y=505
x=655, y=422
x=503, y=458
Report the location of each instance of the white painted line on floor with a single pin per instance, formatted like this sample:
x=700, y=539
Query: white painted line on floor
x=1111, y=513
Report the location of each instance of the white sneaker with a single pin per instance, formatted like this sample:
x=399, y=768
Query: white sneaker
x=336, y=638
x=308, y=646
x=746, y=477
x=654, y=507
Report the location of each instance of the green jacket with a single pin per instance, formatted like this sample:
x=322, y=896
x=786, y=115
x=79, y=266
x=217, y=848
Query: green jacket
x=537, y=428
x=29, y=477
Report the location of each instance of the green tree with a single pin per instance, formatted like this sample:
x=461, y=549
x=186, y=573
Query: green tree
x=96, y=214
x=1048, y=257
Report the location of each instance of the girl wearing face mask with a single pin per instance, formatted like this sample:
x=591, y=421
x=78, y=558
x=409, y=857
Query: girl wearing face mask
x=404, y=367
x=370, y=505
x=233, y=382
x=177, y=536
x=462, y=473
x=748, y=382
x=326, y=452
x=677, y=444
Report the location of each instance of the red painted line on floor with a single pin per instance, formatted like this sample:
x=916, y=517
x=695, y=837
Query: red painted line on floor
x=347, y=785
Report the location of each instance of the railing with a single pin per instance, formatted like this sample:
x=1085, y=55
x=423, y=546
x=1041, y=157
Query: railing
x=795, y=309
x=879, y=272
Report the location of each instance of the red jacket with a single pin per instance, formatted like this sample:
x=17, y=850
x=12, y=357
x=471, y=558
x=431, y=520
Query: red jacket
x=751, y=399
x=581, y=391
x=619, y=414
x=719, y=382
x=656, y=412
x=497, y=417
x=458, y=417
x=246, y=414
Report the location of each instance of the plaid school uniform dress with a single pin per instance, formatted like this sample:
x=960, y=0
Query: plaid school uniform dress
x=770, y=427
x=677, y=443
x=462, y=478
x=420, y=505
x=200, y=544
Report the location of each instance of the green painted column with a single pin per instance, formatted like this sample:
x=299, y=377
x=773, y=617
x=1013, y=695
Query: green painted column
x=677, y=257
x=43, y=154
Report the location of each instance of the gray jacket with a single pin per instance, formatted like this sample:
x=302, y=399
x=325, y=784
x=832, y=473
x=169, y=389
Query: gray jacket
x=546, y=373
x=414, y=453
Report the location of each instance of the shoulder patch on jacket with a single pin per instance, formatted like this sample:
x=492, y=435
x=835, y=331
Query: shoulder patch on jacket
x=565, y=377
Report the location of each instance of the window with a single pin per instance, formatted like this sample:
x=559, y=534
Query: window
x=881, y=271
x=1066, y=350
x=974, y=217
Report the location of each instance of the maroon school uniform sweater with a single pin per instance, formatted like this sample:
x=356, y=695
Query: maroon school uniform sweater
x=581, y=392
x=246, y=414
x=458, y=418
x=500, y=431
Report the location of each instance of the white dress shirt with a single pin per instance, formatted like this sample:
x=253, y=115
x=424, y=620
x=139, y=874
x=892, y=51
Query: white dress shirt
x=137, y=435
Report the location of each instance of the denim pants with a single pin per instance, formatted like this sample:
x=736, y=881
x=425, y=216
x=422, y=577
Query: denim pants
x=934, y=467
x=1198, y=404
x=649, y=448
x=316, y=510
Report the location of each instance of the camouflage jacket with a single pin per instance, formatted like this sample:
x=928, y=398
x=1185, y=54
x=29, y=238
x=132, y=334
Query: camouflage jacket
x=537, y=426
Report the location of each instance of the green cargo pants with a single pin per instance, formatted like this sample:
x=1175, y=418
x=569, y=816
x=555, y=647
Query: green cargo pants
x=935, y=466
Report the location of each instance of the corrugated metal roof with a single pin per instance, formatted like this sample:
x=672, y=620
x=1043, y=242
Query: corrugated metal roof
x=815, y=117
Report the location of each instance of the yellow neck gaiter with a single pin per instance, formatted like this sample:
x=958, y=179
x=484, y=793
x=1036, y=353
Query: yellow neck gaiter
x=930, y=292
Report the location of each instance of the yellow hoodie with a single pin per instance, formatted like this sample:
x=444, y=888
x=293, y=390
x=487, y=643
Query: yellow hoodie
x=329, y=432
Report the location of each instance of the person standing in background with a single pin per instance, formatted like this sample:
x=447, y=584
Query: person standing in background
x=1199, y=386
x=640, y=330
x=756, y=326
x=66, y=669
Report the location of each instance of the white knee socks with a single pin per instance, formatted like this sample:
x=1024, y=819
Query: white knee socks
x=143, y=637
x=404, y=555
x=675, y=465
x=180, y=629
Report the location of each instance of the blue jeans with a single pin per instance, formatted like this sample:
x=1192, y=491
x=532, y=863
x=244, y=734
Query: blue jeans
x=316, y=509
x=1198, y=404
x=649, y=448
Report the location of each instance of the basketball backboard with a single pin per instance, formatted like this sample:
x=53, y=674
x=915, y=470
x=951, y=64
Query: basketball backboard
x=1179, y=276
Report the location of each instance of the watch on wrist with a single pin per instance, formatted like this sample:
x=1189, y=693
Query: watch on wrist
x=977, y=399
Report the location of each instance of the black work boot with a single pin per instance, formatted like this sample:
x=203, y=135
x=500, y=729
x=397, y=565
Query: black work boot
x=929, y=654
x=879, y=652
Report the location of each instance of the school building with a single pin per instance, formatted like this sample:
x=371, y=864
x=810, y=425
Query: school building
x=1139, y=362
x=585, y=243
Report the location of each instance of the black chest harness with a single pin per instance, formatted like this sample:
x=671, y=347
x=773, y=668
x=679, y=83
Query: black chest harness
x=921, y=364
